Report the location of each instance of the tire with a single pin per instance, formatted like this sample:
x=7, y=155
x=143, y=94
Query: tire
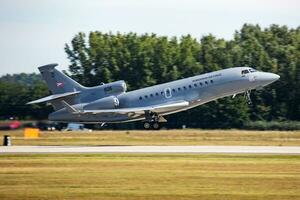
x=147, y=125
x=156, y=126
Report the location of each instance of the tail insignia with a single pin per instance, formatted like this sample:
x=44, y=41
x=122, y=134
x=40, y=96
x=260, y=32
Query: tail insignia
x=59, y=84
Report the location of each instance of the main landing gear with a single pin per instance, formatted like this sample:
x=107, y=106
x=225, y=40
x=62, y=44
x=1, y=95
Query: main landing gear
x=153, y=120
x=154, y=125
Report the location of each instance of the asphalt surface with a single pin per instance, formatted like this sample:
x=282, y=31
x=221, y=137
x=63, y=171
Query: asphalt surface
x=154, y=149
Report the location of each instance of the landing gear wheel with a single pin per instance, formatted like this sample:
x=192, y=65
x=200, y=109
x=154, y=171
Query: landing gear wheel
x=147, y=125
x=156, y=125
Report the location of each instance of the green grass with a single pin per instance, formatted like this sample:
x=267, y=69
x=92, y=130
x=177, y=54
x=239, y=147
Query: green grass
x=163, y=137
x=152, y=176
x=146, y=176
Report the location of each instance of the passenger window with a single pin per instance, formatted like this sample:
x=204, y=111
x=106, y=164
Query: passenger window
x=184, y=87
x=206, y=82
x=179, y=89
x=173, y=90
x=162, y=93
x=190, y=86
x=146, y=96
x=151, y=95
x=156, y=94
x=201, y=83
x=211, y=81
x=140, y=98
x=195, y=85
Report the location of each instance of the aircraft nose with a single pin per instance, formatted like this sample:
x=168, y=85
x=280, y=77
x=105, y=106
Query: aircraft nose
x=273, y=77
x=268, y=78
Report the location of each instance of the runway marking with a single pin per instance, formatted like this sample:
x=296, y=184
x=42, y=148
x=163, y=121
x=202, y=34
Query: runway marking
x=154, y=149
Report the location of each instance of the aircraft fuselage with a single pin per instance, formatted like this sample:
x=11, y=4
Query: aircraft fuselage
x=195, y=90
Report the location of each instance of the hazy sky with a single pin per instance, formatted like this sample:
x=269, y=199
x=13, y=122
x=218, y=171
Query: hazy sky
x=33, y=32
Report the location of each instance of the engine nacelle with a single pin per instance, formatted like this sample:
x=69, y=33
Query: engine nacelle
x=110, y=102
x=116, y=87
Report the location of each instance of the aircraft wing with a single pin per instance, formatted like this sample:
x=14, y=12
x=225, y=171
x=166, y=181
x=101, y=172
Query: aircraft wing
x=141, y=110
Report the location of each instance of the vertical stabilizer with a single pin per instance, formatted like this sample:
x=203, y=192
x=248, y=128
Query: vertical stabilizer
x=57, y=81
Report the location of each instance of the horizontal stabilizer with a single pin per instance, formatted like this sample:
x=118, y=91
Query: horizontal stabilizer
x=54, y=97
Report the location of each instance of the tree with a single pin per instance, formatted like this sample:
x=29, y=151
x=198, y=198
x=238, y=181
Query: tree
x=148, y=59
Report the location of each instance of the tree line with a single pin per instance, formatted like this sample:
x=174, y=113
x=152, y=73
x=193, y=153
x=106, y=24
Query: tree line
x=149, y=59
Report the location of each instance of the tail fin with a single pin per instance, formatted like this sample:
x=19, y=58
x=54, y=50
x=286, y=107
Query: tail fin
x=62, y=87
x=57, y=81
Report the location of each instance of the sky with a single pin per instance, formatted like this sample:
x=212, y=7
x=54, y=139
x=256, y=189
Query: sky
x=34, y=32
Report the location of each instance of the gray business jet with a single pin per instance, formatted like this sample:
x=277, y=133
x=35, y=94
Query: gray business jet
x=111, y=103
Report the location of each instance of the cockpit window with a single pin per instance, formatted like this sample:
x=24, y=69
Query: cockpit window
x=252, y=70
x=245, y=71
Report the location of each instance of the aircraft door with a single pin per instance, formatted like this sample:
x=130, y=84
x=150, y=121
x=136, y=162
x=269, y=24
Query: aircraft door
x=168, y=93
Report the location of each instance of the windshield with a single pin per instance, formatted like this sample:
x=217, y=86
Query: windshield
x=245, y=71
x=252, y=70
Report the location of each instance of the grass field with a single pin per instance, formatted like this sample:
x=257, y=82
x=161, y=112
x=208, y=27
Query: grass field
x=162, y=137
x=152, y=176
x=145, y=176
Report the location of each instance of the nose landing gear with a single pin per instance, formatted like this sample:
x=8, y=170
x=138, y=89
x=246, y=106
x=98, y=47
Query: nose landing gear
x=248, y=97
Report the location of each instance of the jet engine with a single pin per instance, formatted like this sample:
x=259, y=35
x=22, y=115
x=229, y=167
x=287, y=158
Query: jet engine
x=110, y=102
x=116, y=87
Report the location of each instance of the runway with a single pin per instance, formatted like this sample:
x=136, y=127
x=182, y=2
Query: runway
x=154, y=149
